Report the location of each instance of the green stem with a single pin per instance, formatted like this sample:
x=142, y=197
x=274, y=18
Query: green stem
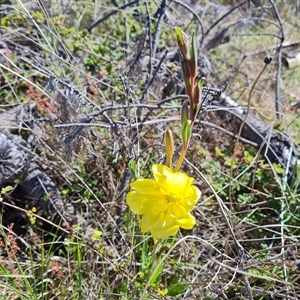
x=191, y=95
x=180, y=160
x=155, y=246
x=169, y=161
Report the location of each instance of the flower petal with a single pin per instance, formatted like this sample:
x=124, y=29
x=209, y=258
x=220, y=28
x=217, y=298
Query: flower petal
x=188, y=222
x=136, y=203
x=158, y=233
x=190, y=198
x=170, y=182
x=165, y=202
x=183, y=217
x=146, y=195
x=160, y=225
x=146, y=186
x=162, y=173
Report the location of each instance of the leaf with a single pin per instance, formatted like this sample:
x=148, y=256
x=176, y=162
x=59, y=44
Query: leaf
x=6, y=189
x=231, y=162
x=133, y=169
x=154, y=276
x=177, y=289
x=248, y=157
x=219, y=152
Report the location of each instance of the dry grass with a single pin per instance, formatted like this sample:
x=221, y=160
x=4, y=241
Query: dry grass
x=245, y=243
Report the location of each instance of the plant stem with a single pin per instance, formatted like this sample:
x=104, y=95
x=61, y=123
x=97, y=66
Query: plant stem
x=181, y=158
x=169, y=161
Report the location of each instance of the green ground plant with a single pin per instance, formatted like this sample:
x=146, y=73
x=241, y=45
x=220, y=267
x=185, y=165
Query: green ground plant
x=245, y=241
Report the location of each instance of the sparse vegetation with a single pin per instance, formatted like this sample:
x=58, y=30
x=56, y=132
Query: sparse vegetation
x=104, y=95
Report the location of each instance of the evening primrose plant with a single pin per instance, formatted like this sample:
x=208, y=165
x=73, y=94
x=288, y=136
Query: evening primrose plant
x=165, y=202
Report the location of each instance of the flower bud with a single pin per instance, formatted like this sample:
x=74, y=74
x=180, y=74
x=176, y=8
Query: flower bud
x=196, y=94
x=186, y=73
x=184, y=113
x=193, y=60
x=186, y=134
x=169, y=142
x=169, y=147
x=183, y=43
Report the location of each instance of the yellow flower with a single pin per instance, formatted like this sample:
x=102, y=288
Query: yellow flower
x=165, y=202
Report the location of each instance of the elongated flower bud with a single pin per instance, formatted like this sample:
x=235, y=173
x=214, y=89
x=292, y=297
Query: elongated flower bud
x=184, y=113
x=183, y=43
x=186, y=134
x=196, y=94
x=186, y=125
x=193, y=60
x=186, y=73
x=169, y=142
x=199, y=88
x=169, y=147
x=195, y=101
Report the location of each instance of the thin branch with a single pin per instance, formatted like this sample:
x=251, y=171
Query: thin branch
x=224, y=16
x=158, y=67
x=160, y=13
x=108, y=15
x=279, y=61
x=229, y=133
x=195, y=15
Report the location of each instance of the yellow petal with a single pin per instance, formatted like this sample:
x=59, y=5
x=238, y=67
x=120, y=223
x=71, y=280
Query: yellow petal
x=148, y=221
x=190, y=198
x=138, y=203
x=160, y=225
x=165, y=202
x=179, y=183
x=158, y=233
x=182, y=216
x=162, y=173
x=188, y=222
x=170, y=182
x=146, y=195
x=146, y=186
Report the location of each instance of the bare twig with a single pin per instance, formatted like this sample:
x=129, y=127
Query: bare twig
x=108, y=15
x=279, y=61
x=224, y=16
x=229, y=133
x=195, y=15
x=160, y=13
x=267, y=61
